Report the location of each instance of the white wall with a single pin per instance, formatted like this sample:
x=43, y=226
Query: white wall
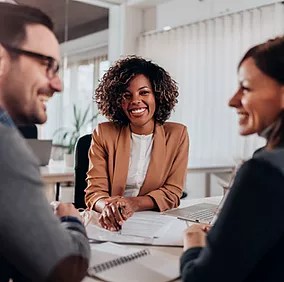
x=89, y=46
x=149, y=19
x=180, y=12
x=132, y=27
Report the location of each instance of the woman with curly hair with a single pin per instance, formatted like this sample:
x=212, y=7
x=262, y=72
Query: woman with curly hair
x=138, y=161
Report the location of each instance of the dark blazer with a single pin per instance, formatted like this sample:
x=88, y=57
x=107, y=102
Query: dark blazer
x=109, y=160
x=247, y=241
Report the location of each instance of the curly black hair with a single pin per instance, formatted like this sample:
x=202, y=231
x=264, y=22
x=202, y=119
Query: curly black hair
x=115, y=81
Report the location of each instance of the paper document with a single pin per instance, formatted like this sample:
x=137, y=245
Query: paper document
x=141, y=228
x=97, y=233
x=146, y=224
x=112, y=262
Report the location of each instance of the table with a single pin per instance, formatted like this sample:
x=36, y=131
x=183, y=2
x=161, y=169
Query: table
x=208, y=167
x=167, y=249
x=53, y=174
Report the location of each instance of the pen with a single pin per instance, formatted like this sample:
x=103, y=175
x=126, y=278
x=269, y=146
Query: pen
x=120, y=210
x=186, y=221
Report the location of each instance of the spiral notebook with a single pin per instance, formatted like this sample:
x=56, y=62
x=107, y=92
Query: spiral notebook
x=114, y=263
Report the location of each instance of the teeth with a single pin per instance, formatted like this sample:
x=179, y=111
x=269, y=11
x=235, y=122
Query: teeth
x=44, y=99
x=138, y=111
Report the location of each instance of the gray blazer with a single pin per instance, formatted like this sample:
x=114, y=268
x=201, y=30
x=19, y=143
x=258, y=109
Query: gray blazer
x=35, y=245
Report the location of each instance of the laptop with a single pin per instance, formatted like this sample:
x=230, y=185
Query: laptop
x=200, y=213
x=42, y=150
x=204, y=212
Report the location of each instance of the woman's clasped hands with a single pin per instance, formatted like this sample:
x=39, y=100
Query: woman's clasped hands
x=115, y=212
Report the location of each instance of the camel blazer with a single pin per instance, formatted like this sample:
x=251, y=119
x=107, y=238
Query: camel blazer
x=109, y=161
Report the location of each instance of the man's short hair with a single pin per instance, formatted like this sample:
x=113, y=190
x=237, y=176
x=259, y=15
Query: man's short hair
x=15, y=18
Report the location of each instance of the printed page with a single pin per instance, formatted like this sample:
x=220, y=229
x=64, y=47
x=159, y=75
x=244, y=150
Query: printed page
x=141, y=228
x=146, y=224
x=97, y=233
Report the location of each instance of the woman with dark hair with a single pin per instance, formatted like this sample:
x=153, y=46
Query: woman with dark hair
x=247, y=241
x=138, y=161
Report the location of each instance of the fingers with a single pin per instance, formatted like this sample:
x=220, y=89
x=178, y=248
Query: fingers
x=66, y=209
x=195, y=236
x=198, y=227
x=54, y=205
x=113, y=199
x=110, y=218
x=122, y=207
x=123, y=210
x=115, y=212
x=126, y=207
x=206, y=228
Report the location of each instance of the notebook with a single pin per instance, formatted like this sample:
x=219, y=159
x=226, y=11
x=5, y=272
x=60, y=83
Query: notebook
x=112, y=262
x=42, y=149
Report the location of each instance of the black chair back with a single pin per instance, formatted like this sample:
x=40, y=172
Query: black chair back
x=28, y=131
x=81, y=168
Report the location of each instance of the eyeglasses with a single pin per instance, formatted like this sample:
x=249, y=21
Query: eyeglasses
x=52, y=64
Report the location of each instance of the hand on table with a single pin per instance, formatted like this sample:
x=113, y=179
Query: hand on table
x=65, y=209
x=195, y=236
x=116, y=211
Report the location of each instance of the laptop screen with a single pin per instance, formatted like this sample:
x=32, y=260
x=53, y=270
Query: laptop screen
x=41, y=149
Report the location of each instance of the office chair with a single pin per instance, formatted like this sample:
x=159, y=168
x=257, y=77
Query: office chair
x=81, y=168
x=29, y=131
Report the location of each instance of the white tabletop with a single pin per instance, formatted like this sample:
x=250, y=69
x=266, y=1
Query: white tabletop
x=176, y=232
x=56, y=171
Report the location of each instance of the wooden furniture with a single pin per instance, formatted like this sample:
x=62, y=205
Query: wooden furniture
x=54, y=174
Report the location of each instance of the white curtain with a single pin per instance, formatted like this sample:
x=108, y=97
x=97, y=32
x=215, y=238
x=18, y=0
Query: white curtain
x=80, y=79
x=203, y=58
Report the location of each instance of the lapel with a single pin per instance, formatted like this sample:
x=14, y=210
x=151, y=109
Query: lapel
x=121, y=163
x=156, y=169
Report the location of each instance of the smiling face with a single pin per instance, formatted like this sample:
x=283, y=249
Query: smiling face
x=24, y=84
x=139, y=105
x=259, y=99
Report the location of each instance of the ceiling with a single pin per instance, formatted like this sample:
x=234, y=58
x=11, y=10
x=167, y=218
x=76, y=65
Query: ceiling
x=81, y=18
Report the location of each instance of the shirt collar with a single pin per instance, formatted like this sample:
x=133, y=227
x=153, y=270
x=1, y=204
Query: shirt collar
x=5, y=119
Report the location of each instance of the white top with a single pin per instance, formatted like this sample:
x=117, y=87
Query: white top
x=140, y=154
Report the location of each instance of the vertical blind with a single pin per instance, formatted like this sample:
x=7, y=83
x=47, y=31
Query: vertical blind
x=80, y=79
x=203, y=57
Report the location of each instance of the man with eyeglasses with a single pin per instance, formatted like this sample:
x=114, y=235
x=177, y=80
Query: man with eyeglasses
x=35, y=244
